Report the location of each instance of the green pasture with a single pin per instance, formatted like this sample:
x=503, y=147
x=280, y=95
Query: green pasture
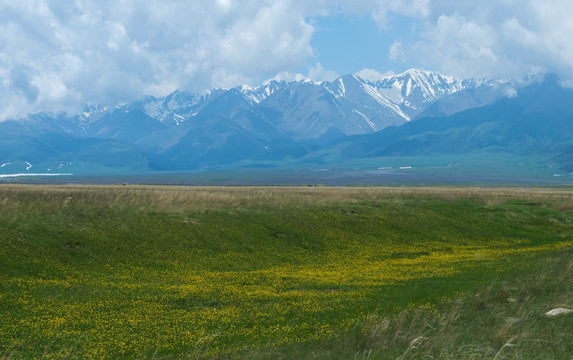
x=181, y=272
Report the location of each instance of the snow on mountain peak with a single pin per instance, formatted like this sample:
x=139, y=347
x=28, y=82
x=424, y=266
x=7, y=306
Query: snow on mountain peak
x=342, y=88
x=260, y=93
x=376, y=102
x=418, y=87
x=245, y=88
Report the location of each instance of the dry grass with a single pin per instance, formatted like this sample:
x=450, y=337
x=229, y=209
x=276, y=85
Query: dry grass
x=503, y=321
x=180, y=198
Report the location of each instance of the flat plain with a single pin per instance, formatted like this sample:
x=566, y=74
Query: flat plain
x=167, y=272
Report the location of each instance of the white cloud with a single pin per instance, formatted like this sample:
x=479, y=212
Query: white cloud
x=56, y=55
x=382, y=11
x=396, y=52
x=510, y=93
x=412, y=8
x=373, y=75
x=288, y=76
x=460, y=45
x=318, y=73
x=497, y=38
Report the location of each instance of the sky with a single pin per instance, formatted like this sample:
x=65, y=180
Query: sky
x=59, y=55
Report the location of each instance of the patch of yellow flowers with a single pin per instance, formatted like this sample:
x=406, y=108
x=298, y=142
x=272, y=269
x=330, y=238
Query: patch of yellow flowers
x=186, y=310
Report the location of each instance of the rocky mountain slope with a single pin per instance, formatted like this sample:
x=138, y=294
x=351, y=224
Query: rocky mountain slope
x=275, y=120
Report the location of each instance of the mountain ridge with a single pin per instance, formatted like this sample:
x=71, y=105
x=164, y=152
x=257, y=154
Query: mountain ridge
x=275, y=121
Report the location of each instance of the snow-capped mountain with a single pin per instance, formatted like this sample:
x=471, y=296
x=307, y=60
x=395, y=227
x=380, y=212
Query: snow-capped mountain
x=413, y=91
x=175, y=108
x=277, y=118
x=537, y=120
x=262, y=92
x=304, y=110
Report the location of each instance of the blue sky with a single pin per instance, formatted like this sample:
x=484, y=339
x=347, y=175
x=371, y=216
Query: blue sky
x=58, y=55
x=346, y=44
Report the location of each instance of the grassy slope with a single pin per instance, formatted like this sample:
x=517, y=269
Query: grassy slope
x=121, y=272
x=503, y=319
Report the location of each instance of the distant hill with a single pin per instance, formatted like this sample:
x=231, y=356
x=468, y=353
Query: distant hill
x=417, y=113
x=538, y=120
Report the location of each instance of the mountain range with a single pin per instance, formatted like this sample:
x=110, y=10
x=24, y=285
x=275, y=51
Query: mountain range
x=417, y=113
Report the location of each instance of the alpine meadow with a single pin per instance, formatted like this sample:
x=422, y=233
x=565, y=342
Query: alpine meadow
x=149, y=272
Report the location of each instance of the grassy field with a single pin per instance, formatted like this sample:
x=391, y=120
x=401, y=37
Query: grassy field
x=191, y=272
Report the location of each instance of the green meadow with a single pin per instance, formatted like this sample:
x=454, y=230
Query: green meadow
x=149, y=272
